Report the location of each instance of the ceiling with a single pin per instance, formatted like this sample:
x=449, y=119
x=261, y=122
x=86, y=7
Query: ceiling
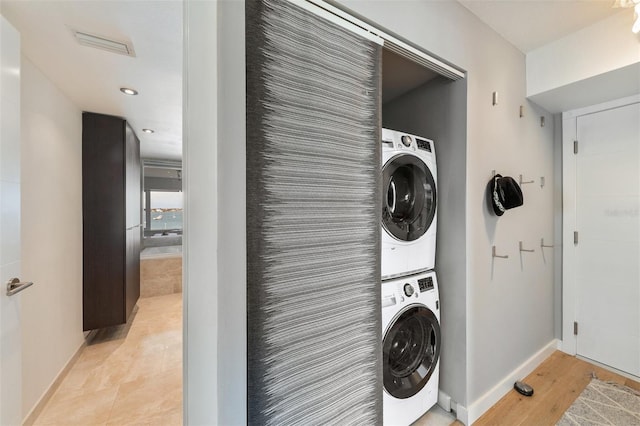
x=91, y=78
x=529, y=24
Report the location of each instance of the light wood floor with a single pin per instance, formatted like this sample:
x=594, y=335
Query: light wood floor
x=557, y=382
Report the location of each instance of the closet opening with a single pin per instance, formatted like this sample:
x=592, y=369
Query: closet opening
x=424, y=121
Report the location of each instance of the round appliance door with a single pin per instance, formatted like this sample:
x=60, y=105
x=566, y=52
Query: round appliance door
x=409, y=192
x=410, y=351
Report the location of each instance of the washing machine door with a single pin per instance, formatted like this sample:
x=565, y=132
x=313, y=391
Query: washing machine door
x=409, y=192
x=410, y=351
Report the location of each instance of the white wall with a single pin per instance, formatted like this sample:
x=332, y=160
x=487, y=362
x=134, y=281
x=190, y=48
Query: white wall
x=596, y=64
x=599, y=48
x=510, y=313
x=51, y=232
x=215, y=237
x=232, y=209
x=200, y=174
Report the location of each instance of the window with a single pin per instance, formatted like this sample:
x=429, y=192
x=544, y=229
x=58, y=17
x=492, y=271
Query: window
x=165, y=213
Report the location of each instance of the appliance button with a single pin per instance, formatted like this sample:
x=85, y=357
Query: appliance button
x=406, y=140
x=408, y=290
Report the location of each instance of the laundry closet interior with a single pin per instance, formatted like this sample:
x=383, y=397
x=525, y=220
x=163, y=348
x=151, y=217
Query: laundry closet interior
x=320, y=91
x=418, y=100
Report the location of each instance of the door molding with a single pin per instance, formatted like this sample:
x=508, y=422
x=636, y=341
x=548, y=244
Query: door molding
x=346, y=18
x=569, y=273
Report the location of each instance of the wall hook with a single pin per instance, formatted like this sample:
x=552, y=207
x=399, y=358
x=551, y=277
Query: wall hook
x=493, y=254
x=542, y=121
x=522, y=182
x=495, y=98
x=521, y=111
x=524, y=249
x=542, y=245
x=541, y=181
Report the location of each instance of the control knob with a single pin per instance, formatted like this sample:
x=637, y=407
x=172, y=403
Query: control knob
x=408, y=290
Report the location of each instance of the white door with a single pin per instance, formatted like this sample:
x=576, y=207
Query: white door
x=608, y=250
x=10, y=334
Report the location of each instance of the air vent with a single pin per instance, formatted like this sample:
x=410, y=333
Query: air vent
x=104, y=43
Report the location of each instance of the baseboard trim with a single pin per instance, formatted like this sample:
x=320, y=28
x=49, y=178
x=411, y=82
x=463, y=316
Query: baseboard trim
x=53, y=387
x=490, y=398
x=444, y=401
x=462, y=415
x=608, y=367
x=568, y=347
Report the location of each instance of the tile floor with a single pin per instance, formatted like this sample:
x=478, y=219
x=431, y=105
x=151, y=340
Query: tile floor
x=132, y=375
x=127, y=375
x=436, y=417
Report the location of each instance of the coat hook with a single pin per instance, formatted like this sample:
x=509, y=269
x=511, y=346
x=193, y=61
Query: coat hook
x=493, y=254
x=542, y=121
x=521, y=111
x=541, y=181
x=495, y=98
x=542, y=245
x=493, y=173
x=522, y=182
x=524, y=249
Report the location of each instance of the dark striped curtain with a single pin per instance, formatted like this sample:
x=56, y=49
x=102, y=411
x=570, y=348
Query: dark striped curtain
x=313, y=220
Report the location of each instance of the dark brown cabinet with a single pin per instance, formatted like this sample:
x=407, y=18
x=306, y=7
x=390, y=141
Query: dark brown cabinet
x=112, y=220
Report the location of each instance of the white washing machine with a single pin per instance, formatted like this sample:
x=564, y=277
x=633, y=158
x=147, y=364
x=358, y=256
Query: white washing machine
x=410, y=347
x=409, y=214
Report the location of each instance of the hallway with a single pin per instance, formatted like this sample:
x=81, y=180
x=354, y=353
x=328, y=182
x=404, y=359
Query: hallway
x=130, y=374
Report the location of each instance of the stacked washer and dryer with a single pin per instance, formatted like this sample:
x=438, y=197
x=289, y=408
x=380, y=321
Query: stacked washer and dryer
x=410, y=301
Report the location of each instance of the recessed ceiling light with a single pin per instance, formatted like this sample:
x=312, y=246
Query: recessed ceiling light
x=148, y=130
x=128, y=91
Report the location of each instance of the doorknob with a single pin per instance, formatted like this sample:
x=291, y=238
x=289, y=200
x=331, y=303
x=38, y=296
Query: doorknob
x=15, y=286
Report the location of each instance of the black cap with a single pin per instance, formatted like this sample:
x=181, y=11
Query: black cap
x=504, y=193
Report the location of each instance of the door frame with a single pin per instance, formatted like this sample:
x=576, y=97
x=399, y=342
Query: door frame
x=10, y=236
x=569, y=272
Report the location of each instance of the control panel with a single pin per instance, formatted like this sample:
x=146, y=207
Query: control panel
x=425, y=284
x=423, y=144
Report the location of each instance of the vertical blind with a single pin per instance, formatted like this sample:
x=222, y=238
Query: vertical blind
x=313, y=220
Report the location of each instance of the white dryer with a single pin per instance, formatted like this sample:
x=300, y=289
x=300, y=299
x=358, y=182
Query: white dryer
x=410, y=347
x=409, y=214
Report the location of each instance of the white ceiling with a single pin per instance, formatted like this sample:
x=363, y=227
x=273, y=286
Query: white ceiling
x=91, y=78
x=529, y=24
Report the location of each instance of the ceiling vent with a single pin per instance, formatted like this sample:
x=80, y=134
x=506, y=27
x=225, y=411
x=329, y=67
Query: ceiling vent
x=104, y=43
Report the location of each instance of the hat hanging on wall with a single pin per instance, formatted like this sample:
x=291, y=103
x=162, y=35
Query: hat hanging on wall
x=504, y=193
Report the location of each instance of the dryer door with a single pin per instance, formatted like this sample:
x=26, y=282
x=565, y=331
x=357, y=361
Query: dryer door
x=409, y=192
x=410, y=351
